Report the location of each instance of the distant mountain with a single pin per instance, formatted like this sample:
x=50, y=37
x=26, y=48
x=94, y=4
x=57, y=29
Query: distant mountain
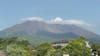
x=37, y=32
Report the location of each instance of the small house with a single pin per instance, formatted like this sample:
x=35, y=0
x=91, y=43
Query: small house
x=61, y=43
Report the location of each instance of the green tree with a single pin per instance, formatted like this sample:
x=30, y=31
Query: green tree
x=96, y=49
x=42, y=49
x=55, y=51
x=16, y=50
x=78, y=48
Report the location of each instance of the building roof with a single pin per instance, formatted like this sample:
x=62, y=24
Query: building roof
x=61, y=41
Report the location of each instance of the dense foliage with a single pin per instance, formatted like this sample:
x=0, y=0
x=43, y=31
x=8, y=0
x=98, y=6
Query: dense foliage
x=15, y=46
x=20, y=47
x=96, y=48
x=78, y=48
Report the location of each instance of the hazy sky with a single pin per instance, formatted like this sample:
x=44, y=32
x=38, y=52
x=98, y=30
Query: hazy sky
x=11, y=11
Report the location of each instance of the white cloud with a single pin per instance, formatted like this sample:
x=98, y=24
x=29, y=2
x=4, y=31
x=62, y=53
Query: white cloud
x=32, y=19
x=58, y=20
x=77, y=22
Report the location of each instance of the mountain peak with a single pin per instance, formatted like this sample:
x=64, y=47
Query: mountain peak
x=44, y=31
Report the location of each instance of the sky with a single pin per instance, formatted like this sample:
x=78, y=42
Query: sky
x=86, y=11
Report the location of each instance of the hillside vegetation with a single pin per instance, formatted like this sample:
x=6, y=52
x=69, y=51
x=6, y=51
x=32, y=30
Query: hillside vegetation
x=21, y=47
